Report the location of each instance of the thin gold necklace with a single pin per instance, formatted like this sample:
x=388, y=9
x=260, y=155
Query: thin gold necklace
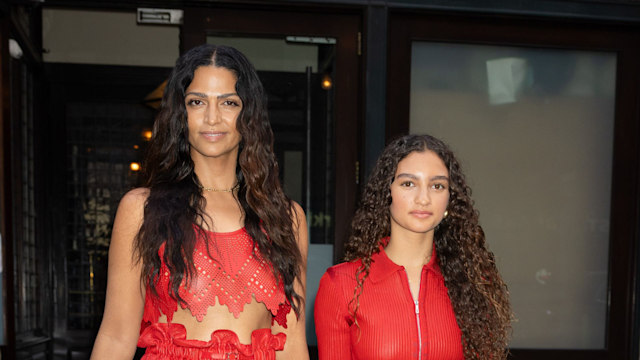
x=220, y=190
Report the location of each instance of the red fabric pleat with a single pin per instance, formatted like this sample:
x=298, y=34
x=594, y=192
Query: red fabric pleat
x=168, y=341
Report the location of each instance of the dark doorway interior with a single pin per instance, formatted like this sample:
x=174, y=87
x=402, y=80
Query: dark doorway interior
x=99, y=124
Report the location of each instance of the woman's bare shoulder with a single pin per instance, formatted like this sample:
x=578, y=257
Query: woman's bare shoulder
x=131, y=210
x=134, y=199
x=297, y=214
x=138, y=194
x=299, y=220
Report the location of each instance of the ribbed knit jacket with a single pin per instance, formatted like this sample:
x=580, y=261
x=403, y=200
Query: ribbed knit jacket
x=388, y=319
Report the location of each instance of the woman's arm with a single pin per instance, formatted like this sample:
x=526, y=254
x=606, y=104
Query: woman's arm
x=331, y=313
x=295, y=346
x=119, y=331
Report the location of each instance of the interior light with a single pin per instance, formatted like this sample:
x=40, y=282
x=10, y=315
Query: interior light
x=147, y=134
x=134, y=166
x=326, y=82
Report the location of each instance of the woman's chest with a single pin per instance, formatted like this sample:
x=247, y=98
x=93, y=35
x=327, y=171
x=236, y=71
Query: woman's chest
x=393, y=326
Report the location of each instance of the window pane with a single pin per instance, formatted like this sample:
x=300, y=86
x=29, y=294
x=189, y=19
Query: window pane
x=297, y=73
x=533, y=129
x=301, y=115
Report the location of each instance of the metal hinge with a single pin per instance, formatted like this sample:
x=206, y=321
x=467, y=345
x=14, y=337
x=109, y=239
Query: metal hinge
x=357, y=172
x=359, y=43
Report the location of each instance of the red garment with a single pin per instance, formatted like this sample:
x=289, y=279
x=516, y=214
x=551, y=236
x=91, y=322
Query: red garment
x=235, y=273
x=168, y=341
x=387, y=315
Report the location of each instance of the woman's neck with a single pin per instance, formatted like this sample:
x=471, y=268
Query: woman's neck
x=217, y=173
x=411, y=250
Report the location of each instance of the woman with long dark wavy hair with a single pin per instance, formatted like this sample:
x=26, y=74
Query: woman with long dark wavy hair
x=419, y=282
x=208, y=259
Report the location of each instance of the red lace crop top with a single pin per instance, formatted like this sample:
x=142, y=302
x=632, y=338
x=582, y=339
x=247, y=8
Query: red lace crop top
x=235, y=272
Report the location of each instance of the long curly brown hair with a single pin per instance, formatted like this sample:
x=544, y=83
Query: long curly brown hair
x=175, y=201
x=478, y=294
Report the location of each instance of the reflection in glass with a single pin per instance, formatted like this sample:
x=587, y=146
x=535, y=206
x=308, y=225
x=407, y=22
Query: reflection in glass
x=301, y=115
x=534, y=129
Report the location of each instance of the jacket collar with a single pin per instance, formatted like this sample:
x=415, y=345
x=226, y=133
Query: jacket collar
x=382, y=267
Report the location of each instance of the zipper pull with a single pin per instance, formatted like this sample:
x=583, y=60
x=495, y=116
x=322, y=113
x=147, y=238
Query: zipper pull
x=417, y=306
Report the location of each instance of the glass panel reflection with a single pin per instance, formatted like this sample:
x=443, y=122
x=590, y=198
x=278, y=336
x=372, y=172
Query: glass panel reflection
x=295, y=76
x=298, y=76
x=534, y=129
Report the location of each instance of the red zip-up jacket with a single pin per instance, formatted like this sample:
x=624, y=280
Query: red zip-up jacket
x=389, y=320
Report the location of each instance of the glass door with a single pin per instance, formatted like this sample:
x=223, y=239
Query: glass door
x=534, y=129
x=297, y=73
x=541, y=116
x=305, y=61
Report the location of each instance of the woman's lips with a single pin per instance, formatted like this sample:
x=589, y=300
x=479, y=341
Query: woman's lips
x=421, y=213
x=213, y=135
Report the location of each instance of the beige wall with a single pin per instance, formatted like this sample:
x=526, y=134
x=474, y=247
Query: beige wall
x=107, y=38
x=273, y=54
x=543, y=195
x=540, y=168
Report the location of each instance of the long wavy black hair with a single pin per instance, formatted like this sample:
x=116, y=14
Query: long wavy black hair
x=478, y=294
x=175, y=202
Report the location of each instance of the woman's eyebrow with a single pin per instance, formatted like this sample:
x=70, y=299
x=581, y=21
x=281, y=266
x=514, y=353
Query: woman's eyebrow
x=198, y=94
x=407, y=175
x=415, y=177
x=203, y=95
x=440, y=177
x=224, y=96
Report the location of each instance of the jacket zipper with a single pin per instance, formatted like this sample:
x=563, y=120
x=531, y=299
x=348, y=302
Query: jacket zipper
x=417, y=311
x=419, y=332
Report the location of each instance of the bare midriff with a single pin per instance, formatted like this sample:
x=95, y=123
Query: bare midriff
x=255, y=315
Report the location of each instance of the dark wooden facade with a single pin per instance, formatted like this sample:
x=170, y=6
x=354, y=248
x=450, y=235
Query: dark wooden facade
x=382, y=32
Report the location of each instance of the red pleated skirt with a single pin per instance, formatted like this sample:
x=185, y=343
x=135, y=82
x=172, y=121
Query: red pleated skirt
x=168, y=341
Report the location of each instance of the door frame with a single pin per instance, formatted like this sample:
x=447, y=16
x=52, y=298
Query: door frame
x=405, y=27
x=342, y=25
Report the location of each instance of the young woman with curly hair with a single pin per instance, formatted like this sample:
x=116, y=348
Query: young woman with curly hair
x=419, y=282
x=210, y=255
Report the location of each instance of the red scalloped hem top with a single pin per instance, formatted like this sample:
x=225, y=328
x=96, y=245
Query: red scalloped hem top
x=230, y=268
